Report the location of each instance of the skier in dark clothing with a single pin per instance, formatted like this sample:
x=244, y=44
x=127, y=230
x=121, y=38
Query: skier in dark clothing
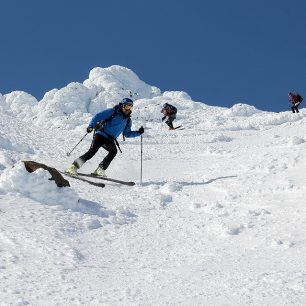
x=295, y=99
x=108, y=125
x=169, y=111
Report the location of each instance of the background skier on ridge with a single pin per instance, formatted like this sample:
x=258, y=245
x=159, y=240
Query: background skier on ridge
x=169, y=111
x=295, y=100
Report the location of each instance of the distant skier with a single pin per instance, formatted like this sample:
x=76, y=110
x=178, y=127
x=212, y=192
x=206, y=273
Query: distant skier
x=108, y=125
x=169, y=111
x=295, y=100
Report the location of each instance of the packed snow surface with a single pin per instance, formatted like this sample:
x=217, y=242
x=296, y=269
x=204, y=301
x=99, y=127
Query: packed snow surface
x=219, y=218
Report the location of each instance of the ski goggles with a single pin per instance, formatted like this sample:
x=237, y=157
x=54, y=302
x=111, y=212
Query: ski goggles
x=128, y=106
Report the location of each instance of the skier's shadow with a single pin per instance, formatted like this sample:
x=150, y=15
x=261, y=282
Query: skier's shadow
x=191, y=183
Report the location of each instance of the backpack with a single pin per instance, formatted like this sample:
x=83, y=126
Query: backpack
x=172, y=109
x=299, y=98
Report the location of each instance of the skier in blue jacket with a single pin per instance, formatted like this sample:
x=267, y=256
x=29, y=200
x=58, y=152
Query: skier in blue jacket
x=108, y=125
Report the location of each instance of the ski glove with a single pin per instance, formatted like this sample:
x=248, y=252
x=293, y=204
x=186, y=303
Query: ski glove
x=141, y=130
x=89, y=129
x=163, y=118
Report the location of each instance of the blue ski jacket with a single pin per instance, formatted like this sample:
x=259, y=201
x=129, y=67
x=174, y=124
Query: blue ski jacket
x=114, y=127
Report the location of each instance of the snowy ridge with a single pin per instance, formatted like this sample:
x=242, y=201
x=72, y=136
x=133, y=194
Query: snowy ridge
x=218, y=220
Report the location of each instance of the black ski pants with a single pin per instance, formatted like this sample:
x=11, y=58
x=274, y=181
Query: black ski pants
x=294, y=108
x=98, y=142
x=170, y=120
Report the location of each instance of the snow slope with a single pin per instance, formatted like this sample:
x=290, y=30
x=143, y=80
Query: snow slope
x=218, y=220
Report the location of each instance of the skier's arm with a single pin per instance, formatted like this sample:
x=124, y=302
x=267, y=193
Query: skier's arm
x=127, y=132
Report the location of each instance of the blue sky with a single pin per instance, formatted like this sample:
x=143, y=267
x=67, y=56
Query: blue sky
x=219, y=52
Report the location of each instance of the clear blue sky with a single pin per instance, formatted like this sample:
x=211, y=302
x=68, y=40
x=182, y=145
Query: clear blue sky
x=219, y=52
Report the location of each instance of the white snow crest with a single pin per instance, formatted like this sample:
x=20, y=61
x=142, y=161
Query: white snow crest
x=119, y=81
x=67, y=106
x=18, y=103
x=74, y=97
x=241, y=109
x=176, y=95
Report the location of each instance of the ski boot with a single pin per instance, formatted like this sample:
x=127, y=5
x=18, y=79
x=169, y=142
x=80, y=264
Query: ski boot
x=72, y=170
x=99, y=172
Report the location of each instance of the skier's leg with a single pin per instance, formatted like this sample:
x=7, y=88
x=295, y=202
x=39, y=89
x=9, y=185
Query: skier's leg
x=95, y=146
x=170, y=121
x=112, y=152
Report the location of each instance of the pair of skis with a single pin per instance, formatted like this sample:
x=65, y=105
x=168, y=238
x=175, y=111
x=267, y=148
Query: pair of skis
x=81, y=175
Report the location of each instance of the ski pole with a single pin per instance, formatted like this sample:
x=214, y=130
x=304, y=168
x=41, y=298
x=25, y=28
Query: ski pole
x=141, y=160
x=68, y=154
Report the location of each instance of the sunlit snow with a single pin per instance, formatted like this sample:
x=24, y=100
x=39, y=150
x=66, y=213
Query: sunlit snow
x=219, y=218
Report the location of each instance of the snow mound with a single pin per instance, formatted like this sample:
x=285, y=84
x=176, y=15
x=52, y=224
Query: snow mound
x=117, y=82
x=37, y=186
x=18, y=103
x=74, y=104
x=176, y=95
x=241, y=110
x=67, y=106
x=74, y=96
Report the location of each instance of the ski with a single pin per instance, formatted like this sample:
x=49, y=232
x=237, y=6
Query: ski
x=180, y=127
x=84, y=180
x=108, y=179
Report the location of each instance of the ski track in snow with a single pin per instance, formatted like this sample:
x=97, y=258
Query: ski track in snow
x=218, y=220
